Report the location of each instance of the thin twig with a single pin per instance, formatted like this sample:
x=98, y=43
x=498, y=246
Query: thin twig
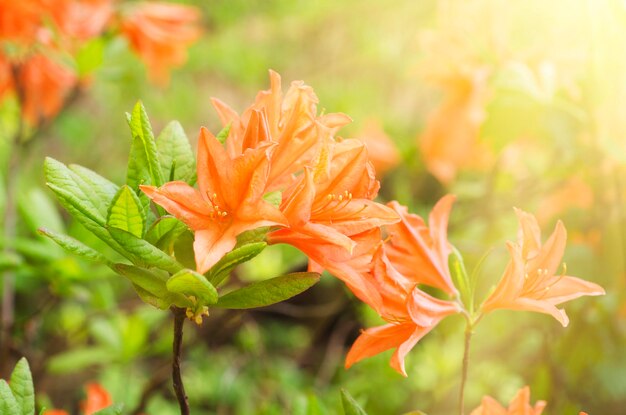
x=177, y=380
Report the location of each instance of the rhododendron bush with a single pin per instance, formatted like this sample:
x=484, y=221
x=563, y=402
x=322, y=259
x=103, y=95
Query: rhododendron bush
x=180, y=238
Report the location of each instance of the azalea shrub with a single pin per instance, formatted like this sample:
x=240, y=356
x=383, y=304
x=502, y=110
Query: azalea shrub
x=437, y=228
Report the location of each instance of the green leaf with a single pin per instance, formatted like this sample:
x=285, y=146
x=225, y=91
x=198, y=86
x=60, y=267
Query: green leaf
x=164, y=232
x=350, y=406
x=22, y=387
x=126, y=212
x=268, y=292
x=175, y=154
x=183, y=249
x=223, y=135
x=144, y=254
x=103, y=188
x=192, y=284
x=274, y=198
x=253, y=235
x=152, y=282
x=8, y=403
x=36, y=250
x=74, y=246
x=38, y=209
x=96, y=228
x=80, y=189
x=224, y=266
x=76, y=193
x=78, y=359
x=143, y=163
x=90, y=56
x=111, y=410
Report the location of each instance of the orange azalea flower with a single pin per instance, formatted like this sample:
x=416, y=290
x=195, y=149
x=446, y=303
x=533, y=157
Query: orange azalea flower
x=20, y=21
x=45, y=84
x=83, y=19
x=530, y=281
x=351, y=268
x=160, y=34
x=409, y=311
x=573, y=193
x=333, y=202
x=520, y=405
x=419, y=252
x=291, y=121
x=450, y=139
x=97, y=398
x=383, y=152
x=229, y=200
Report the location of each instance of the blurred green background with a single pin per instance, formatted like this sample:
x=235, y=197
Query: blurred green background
x=522, y=102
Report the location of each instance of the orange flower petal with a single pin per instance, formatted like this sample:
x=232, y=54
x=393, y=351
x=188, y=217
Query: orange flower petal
x=376, y=340
x=182, y=201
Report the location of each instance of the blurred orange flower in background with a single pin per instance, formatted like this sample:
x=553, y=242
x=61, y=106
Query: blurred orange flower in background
x=450, y=139
x=520, y=405
x=97, y=398
x=382, y=151
x=46, y=85
x=160, y=34
x=530, y=281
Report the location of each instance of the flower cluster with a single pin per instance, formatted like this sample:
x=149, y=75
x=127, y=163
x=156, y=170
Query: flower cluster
x=326, y=187
x=279, y=145
x=40, y=39
x=415, y=255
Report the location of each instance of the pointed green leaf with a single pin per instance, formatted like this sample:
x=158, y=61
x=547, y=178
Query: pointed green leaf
x=175, y=154
x=94, y=227
x=143, y=253
x=350, y=406
x=8, y=403
x=152, y=282
x=192, y=284
x=143, y=164
x=183, y=249
x=38, y=209
x=74, y=246
x=111, y=410
x=224, y=266
x=103, y=188
x=126, y=212
x=253, y=235
x=22, y=387
x=268, y=292
x=223, y=134
x=79, y=198
x=85, y=194
x=164, y=231
x=77, y=359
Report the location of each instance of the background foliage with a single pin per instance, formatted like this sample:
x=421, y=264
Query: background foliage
x=535, y=88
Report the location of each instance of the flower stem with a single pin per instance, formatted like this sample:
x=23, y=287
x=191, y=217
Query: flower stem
x=466, y=352
x=177, y=380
